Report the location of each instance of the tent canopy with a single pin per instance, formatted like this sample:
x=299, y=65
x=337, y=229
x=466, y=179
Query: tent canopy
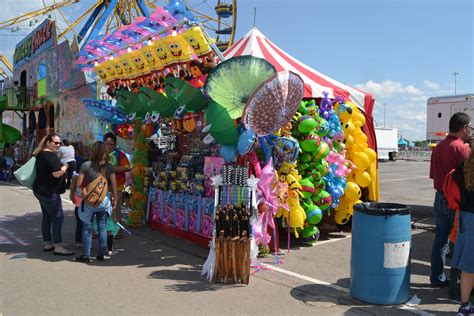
x=402, y=142
x=254, y=43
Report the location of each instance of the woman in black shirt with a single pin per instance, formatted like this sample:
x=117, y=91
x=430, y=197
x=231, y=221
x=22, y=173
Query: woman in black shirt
x=47, y=188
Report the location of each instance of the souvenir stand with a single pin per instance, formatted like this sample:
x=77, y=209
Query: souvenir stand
x=222, y=148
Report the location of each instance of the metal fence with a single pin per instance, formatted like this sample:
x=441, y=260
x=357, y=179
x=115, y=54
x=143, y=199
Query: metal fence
x=422, y=155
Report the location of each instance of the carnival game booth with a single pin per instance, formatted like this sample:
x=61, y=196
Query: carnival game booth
x=223, y=148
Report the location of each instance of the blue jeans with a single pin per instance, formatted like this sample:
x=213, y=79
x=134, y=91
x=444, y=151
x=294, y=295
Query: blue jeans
x=53, y=216
x=444, y=222
x=78, y=225
x=101, y=218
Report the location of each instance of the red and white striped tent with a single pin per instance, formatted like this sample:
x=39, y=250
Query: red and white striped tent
x=254, y=43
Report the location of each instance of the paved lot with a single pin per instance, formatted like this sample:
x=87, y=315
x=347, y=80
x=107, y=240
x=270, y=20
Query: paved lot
x=156, y=274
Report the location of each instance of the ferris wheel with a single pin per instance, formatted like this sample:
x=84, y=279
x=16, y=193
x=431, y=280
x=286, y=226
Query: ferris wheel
x=219, y=18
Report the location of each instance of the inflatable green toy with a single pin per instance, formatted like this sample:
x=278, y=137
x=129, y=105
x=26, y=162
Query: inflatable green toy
x=310, y=231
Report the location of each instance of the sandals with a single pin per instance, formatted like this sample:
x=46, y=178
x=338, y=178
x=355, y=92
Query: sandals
x=83, y=259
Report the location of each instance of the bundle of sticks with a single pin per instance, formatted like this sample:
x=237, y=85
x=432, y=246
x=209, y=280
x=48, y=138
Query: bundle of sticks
x=232, y=263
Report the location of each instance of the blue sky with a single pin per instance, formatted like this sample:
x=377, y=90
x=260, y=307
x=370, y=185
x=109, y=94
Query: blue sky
x=402, y=51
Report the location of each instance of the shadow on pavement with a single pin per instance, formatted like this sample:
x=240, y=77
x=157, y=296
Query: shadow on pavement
x=20, y=238
x=189, y=279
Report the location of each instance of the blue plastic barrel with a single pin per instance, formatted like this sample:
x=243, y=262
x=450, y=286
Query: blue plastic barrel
x=380, y=260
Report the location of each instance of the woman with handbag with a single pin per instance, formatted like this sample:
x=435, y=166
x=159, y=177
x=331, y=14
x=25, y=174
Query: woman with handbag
x=98, y=199
x=47, y=188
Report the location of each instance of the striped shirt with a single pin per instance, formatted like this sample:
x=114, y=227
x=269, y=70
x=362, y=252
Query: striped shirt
x=446, y=156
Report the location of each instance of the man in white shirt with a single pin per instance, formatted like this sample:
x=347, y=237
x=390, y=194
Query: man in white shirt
x=67, y=156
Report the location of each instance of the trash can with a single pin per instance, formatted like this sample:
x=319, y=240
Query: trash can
x=380, y=259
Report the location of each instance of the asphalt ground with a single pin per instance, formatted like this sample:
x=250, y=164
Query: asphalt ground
x=156, y=274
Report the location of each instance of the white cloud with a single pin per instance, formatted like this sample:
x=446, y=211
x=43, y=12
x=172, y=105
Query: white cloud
x=405, y=106
x=431, y=85
x=388, y=88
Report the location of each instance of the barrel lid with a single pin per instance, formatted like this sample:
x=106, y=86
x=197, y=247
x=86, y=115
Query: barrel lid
x=382, y=209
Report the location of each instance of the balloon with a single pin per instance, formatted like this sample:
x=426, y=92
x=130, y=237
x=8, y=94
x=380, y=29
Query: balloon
x=321, y=151
x=348, y=127
x=323, y=200
x=228, y=153
x=352, y=191
x=310, y=143
x=310, y=232
x=246, y=141
x=348, y=141
x=306, y=124
x=313, y=214
x=342, y=217
x=371, y=154
x=361, y=160
x=361, y=138
x=358, y=119
x=363, y=179
x=307, y=187
x=285, y=149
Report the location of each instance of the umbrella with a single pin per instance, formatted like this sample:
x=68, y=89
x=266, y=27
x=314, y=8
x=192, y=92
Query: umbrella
x=274, y=103
x=232, y=82
x=185, y=94
x=105, y=110
x=221, y=126
x=158, y=102
x=9, y=134
x=129, y=103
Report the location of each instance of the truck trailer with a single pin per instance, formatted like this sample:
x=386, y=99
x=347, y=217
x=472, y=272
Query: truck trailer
x=440, y=109
x=387, y=143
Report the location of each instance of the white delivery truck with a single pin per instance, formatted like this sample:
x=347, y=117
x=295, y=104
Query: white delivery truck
x=387, y=143
x=440, y=109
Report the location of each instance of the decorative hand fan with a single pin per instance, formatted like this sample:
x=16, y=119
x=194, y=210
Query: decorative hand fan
x=232, y=82
x=274, y=103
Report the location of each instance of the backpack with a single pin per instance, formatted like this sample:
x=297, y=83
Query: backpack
x=453, y=188
x=95, y=192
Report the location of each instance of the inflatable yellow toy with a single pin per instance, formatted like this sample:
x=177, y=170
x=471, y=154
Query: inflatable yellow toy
x=161, y=51
x=179, y=49
x=118, y=69
x=296, y=214
x=198, y=42
x=151, y=58
x=100, y=71
x=127, y=66
x=138, y=60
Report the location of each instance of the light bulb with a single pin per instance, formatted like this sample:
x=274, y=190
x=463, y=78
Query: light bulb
x=96, y=64
x=111, y=57
x=129, y=49
x=149, y=43
x=174, y=33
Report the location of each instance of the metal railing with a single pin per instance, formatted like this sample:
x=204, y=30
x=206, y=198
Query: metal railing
x=422, y=155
